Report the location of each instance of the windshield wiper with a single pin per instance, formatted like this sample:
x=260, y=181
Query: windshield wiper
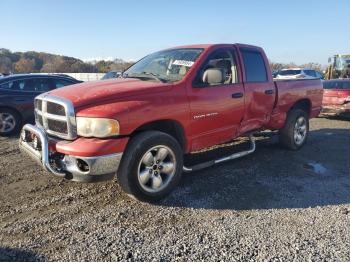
x=153, y=75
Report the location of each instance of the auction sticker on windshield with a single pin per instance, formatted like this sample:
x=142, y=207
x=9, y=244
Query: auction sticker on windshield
x=183, y=63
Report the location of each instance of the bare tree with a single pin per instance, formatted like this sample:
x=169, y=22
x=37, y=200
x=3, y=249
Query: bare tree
x=5, y=65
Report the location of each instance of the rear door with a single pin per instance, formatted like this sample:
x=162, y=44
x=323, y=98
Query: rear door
x=259, y=90
x=216, y=109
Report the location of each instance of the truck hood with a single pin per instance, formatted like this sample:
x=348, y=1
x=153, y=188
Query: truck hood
x=96, y=92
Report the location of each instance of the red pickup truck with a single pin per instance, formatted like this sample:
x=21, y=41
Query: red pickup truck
x=169, y=103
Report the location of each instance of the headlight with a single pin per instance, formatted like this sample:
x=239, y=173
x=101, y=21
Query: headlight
x=97, y=127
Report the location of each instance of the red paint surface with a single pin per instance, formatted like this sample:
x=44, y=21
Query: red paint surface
x=335, y=97
x=290, y=92
x=91, y=146
x=134, y=103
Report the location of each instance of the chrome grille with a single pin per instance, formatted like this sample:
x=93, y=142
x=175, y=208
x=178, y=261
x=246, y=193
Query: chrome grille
x=39, y=119
x=57, y=126
x=56, y=115
x=38, y=104
x=55, y=109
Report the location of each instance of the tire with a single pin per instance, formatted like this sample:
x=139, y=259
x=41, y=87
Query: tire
x=10, y=122
x=296, y=129
x=143, y=178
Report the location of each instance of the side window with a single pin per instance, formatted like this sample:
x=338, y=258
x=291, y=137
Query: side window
x=40, y=84
x=7, y=85
x=27, y=85
x=31, y=85
x=318, y=75
x=254, y=66
x=18, y=85
x=58, y=83
x=310, y=73
x=224, y=61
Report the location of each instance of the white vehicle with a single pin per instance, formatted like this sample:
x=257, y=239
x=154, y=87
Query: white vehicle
x=294, y=73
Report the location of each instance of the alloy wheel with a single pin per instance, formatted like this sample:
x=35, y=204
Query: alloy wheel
x=7, y=122
x=300, y=130
x=156, y=168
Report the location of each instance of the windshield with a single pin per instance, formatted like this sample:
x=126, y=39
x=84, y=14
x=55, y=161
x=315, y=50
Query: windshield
x=342, y=62
x=166, y=66
x=289, y=72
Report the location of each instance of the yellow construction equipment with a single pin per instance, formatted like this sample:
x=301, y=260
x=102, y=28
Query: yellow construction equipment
x=339, y=67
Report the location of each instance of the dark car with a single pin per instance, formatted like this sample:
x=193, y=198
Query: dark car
x=336, y=96
x=17, y=93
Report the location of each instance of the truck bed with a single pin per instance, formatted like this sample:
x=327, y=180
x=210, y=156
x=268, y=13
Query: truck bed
x=290, y=91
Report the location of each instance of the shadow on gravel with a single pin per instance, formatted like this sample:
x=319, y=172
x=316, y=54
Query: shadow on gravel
x=14, y=254
x=272, y=177
x=16, y=136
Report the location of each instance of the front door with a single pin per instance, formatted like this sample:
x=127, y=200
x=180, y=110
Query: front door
x=216, y=108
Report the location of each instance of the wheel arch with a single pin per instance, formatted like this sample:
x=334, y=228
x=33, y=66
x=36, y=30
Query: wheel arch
x=304, y=104
x=168, y=126
x=13, y=109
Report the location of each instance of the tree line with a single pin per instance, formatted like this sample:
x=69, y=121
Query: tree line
x=40, y=62
x=35, y=62
x=280, y=66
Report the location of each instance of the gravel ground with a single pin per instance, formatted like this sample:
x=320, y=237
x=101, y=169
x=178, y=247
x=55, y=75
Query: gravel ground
x=272, y=205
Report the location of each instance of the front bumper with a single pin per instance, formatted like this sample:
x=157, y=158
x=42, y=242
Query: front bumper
x=72, y=167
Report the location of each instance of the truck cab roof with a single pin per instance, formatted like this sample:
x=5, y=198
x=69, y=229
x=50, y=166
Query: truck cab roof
x=206, y=46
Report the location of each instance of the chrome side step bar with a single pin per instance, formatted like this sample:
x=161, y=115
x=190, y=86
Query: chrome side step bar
x=231, y=157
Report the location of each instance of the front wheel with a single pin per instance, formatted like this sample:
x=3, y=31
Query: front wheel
x=295, y=132
x=151, y=166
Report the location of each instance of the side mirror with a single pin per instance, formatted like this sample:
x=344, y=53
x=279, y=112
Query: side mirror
x=213, y=76
x=329, y=60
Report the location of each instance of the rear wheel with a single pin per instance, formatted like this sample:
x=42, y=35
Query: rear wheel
x=294, y=134
x=151, y=166
x=10, y=122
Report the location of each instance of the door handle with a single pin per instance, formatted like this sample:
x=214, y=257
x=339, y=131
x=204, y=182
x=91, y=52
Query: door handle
x=269, y=92
x=237, y=95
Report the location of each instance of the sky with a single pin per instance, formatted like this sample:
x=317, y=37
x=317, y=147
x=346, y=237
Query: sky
x=289, y=31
